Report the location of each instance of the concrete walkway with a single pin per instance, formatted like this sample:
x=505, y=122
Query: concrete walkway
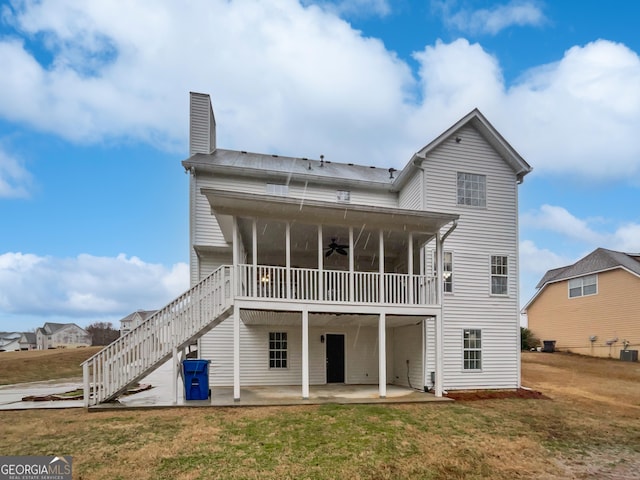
x=161, y=395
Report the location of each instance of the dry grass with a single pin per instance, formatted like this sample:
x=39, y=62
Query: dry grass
x=583, y=432
x=594, y=382
x=38, y=365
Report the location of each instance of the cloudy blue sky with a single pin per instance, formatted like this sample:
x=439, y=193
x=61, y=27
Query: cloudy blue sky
x=94, y=120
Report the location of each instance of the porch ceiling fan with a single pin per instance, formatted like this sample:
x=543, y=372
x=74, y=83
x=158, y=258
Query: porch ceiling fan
x=336, y=247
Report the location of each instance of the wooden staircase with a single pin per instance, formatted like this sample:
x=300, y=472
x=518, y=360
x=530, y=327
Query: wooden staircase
x=127, y=360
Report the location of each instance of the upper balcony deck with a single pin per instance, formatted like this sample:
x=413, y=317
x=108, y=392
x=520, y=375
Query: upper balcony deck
x=267, y=282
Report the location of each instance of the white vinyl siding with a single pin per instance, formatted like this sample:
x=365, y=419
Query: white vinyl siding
x=583, y=286
x=411, y=195
x=361, y=355
x=407, y=359
x=430, y=354
x=481, y=232
x=202, y=125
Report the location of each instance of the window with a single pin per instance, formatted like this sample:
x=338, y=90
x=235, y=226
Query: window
x=343, y=196
x=579, y=287
x=277, y=349
x=277, y=189
x=499, y=275
x=472, y=349
x=447, y=270
x=472, y=189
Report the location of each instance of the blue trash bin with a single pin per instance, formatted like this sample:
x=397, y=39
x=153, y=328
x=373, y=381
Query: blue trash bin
x=196, y=379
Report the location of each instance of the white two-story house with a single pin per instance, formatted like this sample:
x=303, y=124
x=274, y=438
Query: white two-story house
x=307, y=271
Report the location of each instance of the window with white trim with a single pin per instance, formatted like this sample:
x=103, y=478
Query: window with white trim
x=580, y=287
x=472, y=349
x=472, y=189
x=277, y=349
x=499, y=275
x=279, y=189
x=447, y=270
x=343, y=196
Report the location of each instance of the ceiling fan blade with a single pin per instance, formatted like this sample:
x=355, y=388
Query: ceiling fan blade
x=329, y=252
x=341, y=251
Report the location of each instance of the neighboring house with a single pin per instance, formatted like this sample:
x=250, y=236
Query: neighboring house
x=308, y=271
x=9, y=341
x=134, y=319
x=61, y=335
x=28, y=341
x=591, y=307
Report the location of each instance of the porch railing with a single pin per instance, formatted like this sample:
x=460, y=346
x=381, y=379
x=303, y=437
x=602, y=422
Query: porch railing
x=134, y=355
x=339, y=286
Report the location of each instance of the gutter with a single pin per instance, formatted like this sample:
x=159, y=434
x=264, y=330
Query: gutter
x=448, y=232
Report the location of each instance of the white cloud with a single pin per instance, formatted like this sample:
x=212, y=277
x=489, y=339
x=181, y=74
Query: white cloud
x=627, y=238
x=491, y=20
x=86, y=286
x=534, y=263
x=15, y=180
x=537, y=261
x=358, y=8
x=290, y=79
x=588, y=233
x=559, y=220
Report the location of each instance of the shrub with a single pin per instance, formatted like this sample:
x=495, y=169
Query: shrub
x=527, y=339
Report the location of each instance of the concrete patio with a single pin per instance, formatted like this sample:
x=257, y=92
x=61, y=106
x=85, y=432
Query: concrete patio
x=161, y=395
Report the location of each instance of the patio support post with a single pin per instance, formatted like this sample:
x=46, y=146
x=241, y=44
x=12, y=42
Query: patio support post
x=236, y=310
x=382, y=355
x=236, y=353
x=320, y=265
x=176, y=375
x=86, y=384
x=305, y=354
x=439, y=332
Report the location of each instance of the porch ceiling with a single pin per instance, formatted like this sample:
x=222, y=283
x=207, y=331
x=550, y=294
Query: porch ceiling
x=278, y=318
x=325, y=213
x=273, y=212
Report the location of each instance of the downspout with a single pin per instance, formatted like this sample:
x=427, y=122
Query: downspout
x=439, y=387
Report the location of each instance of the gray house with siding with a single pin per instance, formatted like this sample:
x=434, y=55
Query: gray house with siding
x=61, y=335
x=309, y=272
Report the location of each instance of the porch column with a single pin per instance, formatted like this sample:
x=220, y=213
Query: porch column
x=381, y=296
x=352, y=295
x=439, y=332
x=320, y=265
x=305, y=354
x=288, y=258
x=236, y=312
x=410, y=268
x=382, y=355
x=235, y=256
x=254, y=256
